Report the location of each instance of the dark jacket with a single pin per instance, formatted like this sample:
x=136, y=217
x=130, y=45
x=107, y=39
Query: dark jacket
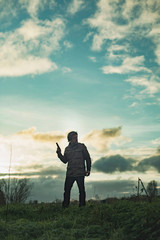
x=75, y=155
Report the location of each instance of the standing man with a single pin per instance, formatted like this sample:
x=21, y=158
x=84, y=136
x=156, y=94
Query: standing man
x=75, y=154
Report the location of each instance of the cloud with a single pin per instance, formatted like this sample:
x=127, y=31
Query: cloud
x=151, y=84
x=68, y=44
x=127, y=9
x=148, y=15
x=93, y=59
x=66, y=70
x=75, y=6
x=116, y=47
x=30, y=65
x=156, y=141
x=41, y=137
x=48, y=189
x=31, y=30
x=27, y=49
x=111, y=188
x=33, y=7
x=133, y=104
x=102, y=139
x=148, y=163
x=117, y=52
x=155, y=31
x=9, y=10
x=114, y=163
x=29, y=156
x=129, y=64
x=36, y=170
x=154, y=34
x=103, y=22
x=130, y=22
x=114, y=21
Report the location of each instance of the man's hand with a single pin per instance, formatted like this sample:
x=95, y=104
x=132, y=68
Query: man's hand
x=87, y=173
x=58, y=148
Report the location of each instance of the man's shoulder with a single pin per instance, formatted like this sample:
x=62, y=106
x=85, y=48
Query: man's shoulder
x=81, y=145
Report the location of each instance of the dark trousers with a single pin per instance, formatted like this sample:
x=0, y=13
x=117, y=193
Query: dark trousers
x=67, y=190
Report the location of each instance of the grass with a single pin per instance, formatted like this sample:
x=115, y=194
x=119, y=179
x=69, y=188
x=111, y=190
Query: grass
x=119, y=220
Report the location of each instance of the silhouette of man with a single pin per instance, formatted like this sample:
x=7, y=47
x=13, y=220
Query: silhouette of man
x=76, y=155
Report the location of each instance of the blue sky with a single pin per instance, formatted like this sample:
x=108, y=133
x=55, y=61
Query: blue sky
x=89, y=66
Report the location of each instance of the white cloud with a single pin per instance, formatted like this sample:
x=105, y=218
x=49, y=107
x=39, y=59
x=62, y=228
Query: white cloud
x=157, y=51
x=155, y=30
x=156, y=141
x=30, y=65
x=134, y=64
x=151, y=86
x=46, y=34
x=106, y=28
x=34, y=6
x=133, y=104
x=138, y=17
x=26, y=50
x=128, y=7
x=117, y=52
x=93, y=59
x=101, y=140
x=146, y=14
x=116, y=47
x=68, y=44
x=75, y=6
x=87, y=37
x=109, y=31
x=8, y=9
x=29, y=148
x=66, y=70
x=31, y=30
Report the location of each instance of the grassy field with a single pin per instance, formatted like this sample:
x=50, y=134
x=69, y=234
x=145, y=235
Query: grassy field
x=118, y=220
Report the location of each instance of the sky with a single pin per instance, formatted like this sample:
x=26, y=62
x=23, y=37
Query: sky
x=88, y=66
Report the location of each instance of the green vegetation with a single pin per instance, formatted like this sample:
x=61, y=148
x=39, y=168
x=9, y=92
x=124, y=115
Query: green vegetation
x=119, y=220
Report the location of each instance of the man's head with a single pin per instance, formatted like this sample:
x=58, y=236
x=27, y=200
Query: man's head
x=72, y=137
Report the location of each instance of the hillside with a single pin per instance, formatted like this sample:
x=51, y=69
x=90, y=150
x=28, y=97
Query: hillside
x=118, y=220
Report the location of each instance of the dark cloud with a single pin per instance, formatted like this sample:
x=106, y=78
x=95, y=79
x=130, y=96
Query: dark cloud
x=119, y=163
x=49, y=189
x=147, y=163
x=114, y=163
x=114, y=188
x=49, y=171
x=28, y=167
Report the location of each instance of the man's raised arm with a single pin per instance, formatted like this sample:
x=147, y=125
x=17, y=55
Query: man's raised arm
x=59, y=154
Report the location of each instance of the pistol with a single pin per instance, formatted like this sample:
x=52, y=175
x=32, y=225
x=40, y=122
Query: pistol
x=58, y=147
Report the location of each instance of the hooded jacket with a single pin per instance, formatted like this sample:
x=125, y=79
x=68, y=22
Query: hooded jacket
x=76, y=154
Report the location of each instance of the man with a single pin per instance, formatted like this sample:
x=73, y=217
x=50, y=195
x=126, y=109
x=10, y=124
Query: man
x=75, y=154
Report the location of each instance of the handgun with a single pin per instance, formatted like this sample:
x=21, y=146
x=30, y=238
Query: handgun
x=58, y=147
